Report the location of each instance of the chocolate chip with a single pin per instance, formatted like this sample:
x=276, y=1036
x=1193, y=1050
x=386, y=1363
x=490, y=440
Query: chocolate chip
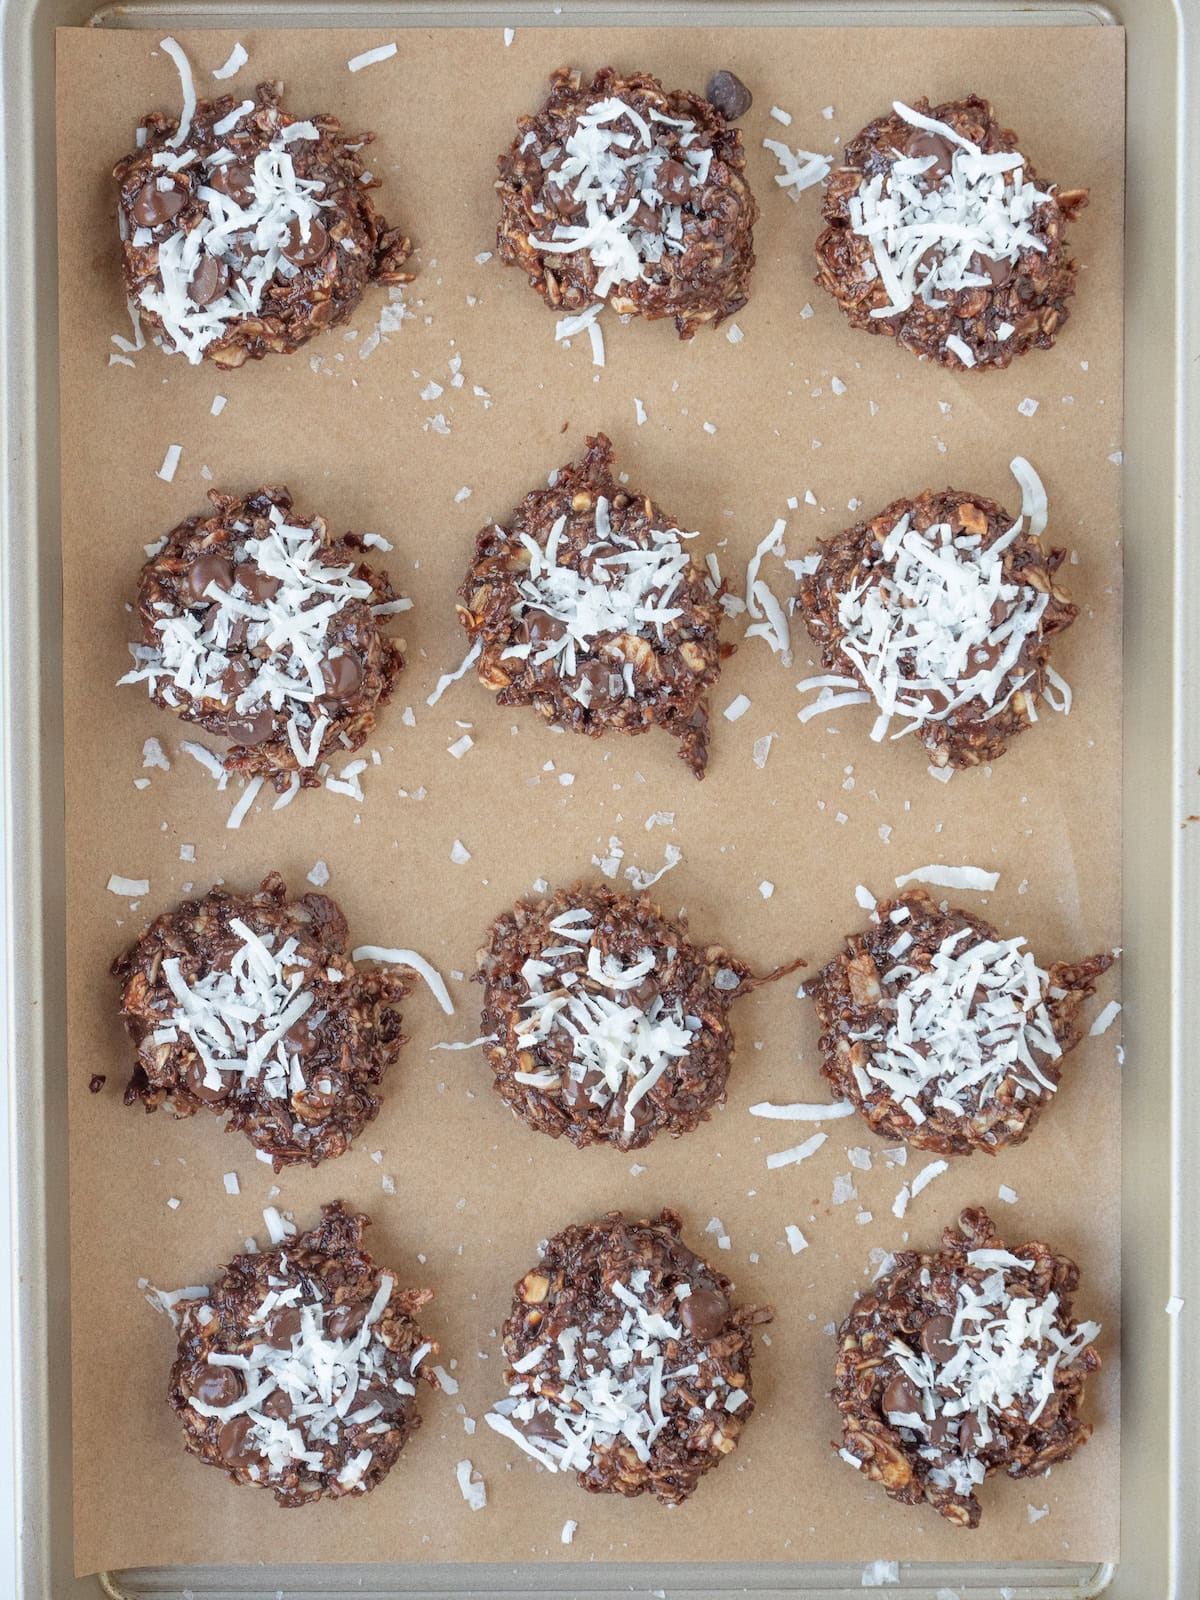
x=704, y=1313
x=236, y=677
x=217, y=1386
x=345, y=1320
x=154, y=205
x=539, y=627
x=278, y=1405
x=673, y=180
x=646, y=992
x=208, y=282
x=922, y=144
x=206, y=569
x=607, y=688
x=194, y=1082
x=258, y=584
x=576, y=1092
x=282, y=1327
x=254, y=729
x=901, y=1394
x=301, y=1037
x=560, y=198
x=235, y=179
x=728, y=95
x=970, y=1433
x=997, y=269
x=343, y=676
x=540, y=1426
x=589, y=563
x=943, y=1433
x=96, y=1082
x=935, y=1338
x=233, y=1443
x=301, y=251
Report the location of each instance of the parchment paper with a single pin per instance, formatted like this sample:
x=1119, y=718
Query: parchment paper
x=475, y=1190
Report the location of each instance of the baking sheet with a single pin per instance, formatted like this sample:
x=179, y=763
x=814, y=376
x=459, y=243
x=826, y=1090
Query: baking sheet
x=475, y=1190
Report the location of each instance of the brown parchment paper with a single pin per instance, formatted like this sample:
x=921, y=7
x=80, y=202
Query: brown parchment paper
x=475, y=1190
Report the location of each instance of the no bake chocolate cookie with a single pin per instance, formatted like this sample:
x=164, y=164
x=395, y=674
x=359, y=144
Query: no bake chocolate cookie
x=628, y=1363
x=604, y=1021
x=941, y=1032
x=964, y=1362
x=261, y=626
x=245, y=230
x=587, y=606
x=940, y=234
x=298, y=1370
x=618, y=190
x=249, y=1005
x=941, y=610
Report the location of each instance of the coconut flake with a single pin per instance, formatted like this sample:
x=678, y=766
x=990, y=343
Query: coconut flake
x=236, y=61
x=803, y=1111
x=798, y=1153
x=176, y=52
x=170, y=462
x=951, y=878
x=1035, y=505
x=418, y=963
x=801, y=170
x=1105, y=1019
x=244, y=802
x=876, y=1573
x=368, y=58
x=447, y=678
x=925, y=1177
x=132, y=888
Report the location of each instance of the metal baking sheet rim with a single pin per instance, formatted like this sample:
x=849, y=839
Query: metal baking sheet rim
x=1161, y=867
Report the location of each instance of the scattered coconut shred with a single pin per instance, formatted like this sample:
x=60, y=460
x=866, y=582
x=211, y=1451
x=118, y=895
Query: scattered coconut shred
x=951, y=878
x=474, y=1490
x=381, y=52
x=769, y=618
x=911, y=1190
x=801, y=168
x=417, y=963
x=237, y=60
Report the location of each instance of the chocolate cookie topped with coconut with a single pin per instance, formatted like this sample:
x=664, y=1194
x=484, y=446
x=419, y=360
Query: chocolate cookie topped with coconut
x=964, y=1362
x=246, y=230
x=261, y=626
x=941, y=610
x=603, y=1021
x=628, y=1363
x=941, y=1032
x=297, y=1372
x=620, y=191
x=940, y=234
x=587, y=606
x=251, y=1006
